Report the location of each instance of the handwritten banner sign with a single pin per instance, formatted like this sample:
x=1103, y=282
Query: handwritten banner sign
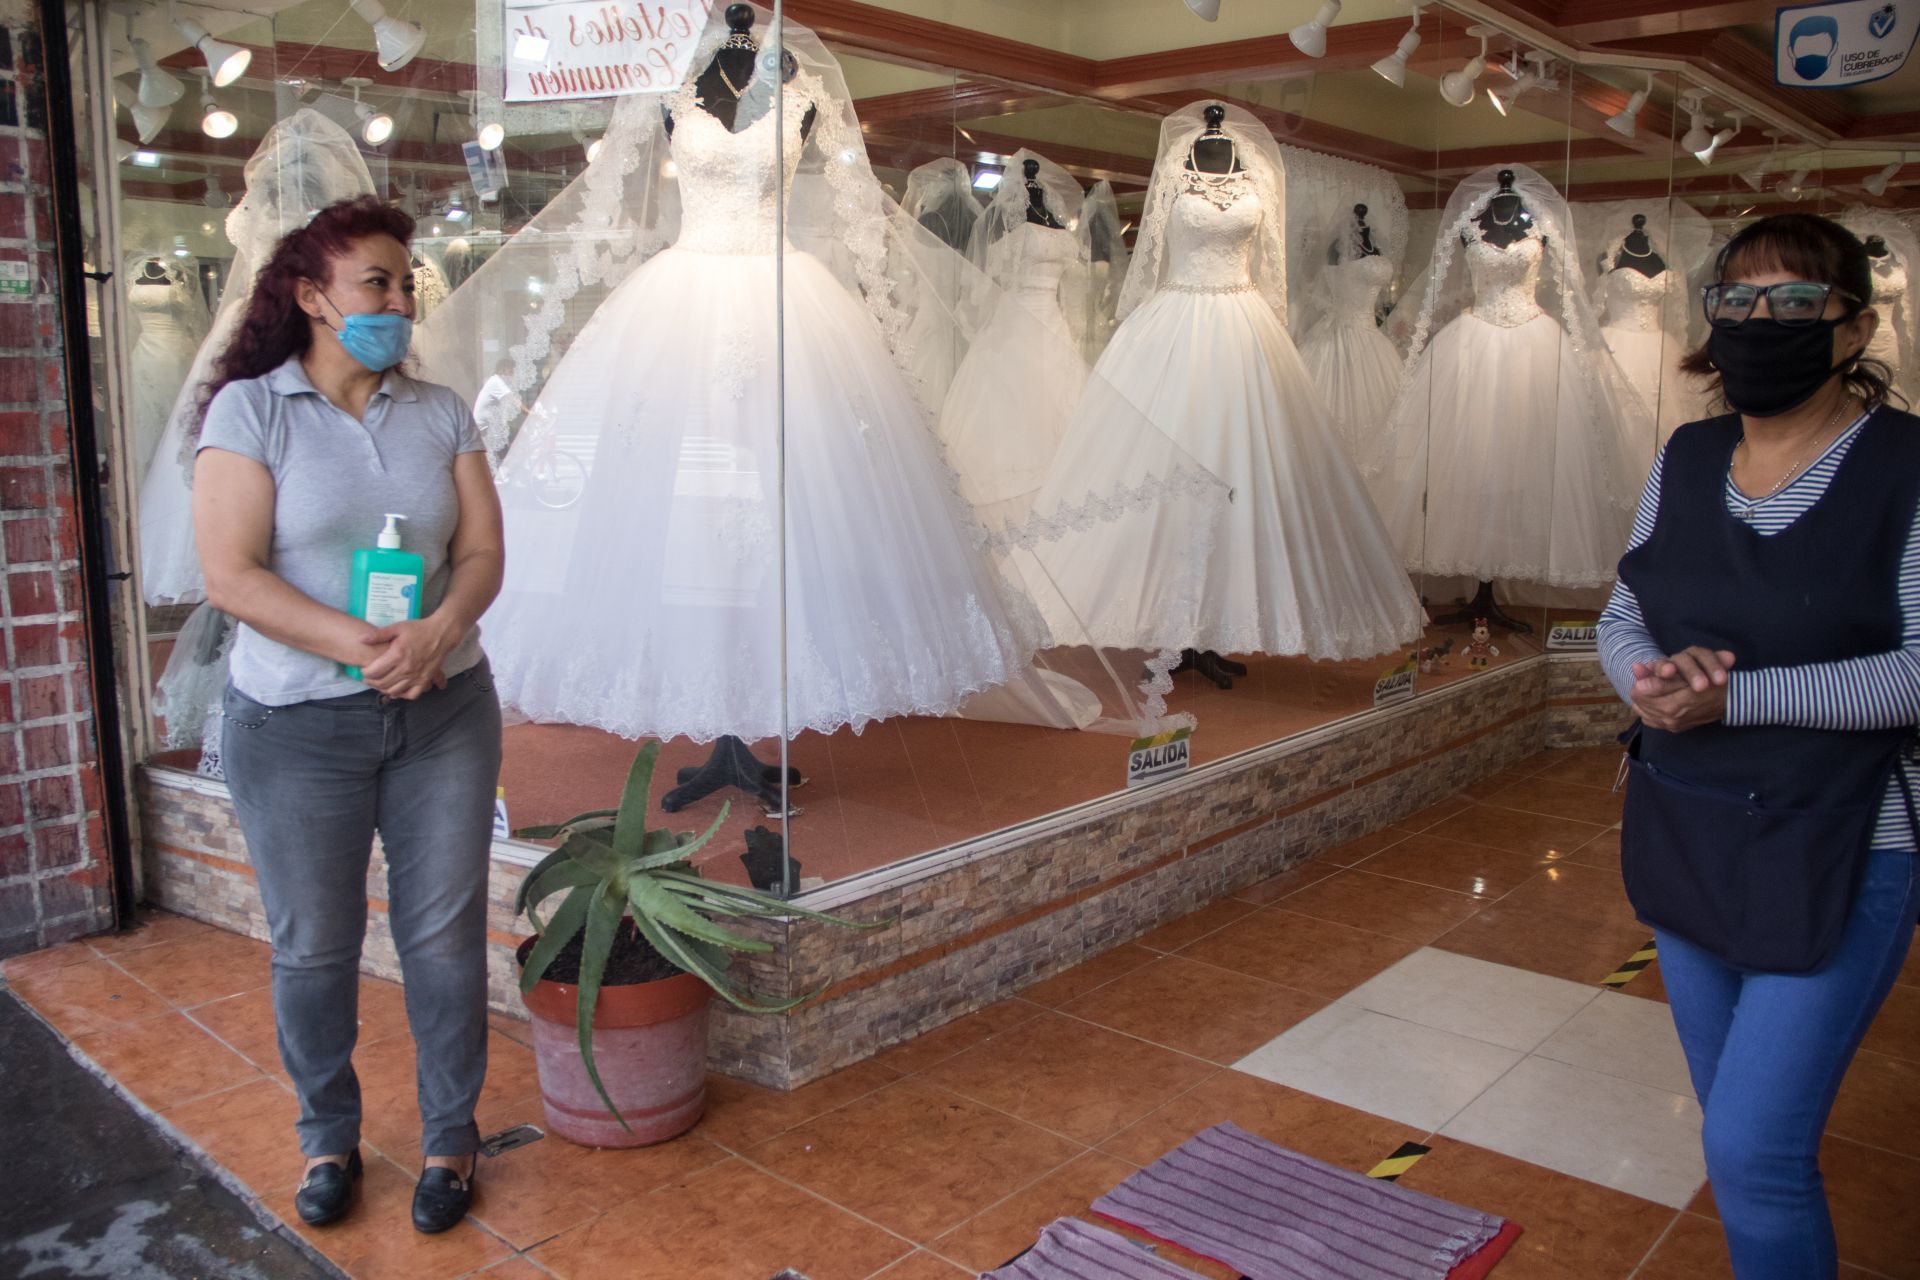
x=570, y=49
x=1839, y=45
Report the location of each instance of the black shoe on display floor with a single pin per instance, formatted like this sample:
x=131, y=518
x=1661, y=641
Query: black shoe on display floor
x=326, y=1193
x=441, y=1198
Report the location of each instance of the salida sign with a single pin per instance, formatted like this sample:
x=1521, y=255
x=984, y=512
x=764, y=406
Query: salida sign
x=599, y=48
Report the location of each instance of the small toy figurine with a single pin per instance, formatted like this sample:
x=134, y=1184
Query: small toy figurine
x=1481, y=646
x=1434, y=655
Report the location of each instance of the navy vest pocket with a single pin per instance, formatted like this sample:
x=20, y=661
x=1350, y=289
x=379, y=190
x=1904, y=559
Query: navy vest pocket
x=1765, y=889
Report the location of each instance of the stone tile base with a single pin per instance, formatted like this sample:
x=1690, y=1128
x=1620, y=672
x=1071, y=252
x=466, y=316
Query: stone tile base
x=978, y=923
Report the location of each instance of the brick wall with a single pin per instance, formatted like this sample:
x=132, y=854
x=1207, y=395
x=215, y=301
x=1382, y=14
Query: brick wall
x=53, y=851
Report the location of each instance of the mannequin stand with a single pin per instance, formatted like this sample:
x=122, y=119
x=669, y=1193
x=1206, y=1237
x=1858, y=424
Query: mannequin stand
x=732, y=765
x=768, y=866
x=1210, y=665
x=1482, y=606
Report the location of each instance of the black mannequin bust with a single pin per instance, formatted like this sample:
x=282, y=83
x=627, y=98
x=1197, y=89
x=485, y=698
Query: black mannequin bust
x=1876, y=247
x=1636, y=251
x=1037, y=211
x=1505, y=220
x=1213, y=151
x=719, y=87
x=153, y=271
x=1368, y=249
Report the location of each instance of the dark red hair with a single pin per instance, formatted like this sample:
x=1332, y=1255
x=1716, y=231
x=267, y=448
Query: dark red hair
x=273, y=326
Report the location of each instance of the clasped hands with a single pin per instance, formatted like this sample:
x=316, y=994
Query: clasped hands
x=407, y=656
x=1683, y=691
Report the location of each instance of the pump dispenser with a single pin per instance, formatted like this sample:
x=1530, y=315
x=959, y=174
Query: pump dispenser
x=387, y=581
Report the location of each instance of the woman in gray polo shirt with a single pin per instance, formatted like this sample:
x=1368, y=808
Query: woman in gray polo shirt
x=311, y=434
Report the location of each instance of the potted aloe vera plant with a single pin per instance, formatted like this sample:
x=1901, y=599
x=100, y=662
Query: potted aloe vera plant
x=618, y=975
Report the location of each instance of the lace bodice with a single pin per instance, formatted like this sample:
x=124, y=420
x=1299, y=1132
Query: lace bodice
x=161, y=313
x=1355, y=285
x=1889, y=284
x=1210, y=248
x=727, y=178
x=1633, y=299
x=1032, y=258
x=1504, y=280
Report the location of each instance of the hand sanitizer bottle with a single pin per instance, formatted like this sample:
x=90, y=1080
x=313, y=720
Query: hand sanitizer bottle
x=386, y=582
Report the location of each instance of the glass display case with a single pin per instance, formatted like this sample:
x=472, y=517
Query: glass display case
x=927, y=417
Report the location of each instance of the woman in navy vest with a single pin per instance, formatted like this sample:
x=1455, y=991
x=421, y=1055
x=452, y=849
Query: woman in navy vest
x=1766, y=629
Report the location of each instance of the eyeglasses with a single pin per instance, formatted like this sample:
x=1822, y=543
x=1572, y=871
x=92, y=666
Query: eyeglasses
x=1791, y=302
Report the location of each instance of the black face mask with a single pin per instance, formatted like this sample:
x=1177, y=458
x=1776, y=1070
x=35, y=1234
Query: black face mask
x=1768, y=368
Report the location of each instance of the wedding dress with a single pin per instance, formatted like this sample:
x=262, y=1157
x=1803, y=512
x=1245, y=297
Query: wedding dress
x=1298, y=562
x=940, y=199
x=1896, y=341
x=172, y=319
x=1355, y=365
x=1649, y=353
x=1889, y=298
x=1505, y=455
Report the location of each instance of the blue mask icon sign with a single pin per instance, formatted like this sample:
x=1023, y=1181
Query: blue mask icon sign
x=1812, y=42
x=1880, y=25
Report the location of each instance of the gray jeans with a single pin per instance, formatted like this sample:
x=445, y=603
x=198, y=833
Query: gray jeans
x=312, y=783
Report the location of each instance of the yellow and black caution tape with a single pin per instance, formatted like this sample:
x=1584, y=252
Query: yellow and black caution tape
x=1399, y=1162
x=1635, y=963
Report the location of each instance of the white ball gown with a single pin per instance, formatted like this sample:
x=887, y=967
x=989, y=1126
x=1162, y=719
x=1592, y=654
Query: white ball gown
x=1355, y=366
x=1889, y=299
x=1501, y=422
x=650, y=604
x=1299, y=562
x=1011, y=398
x=1649, y=354
x=172, y=320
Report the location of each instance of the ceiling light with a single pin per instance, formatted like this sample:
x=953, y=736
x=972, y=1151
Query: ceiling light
x=1535, y=76
x=1697, y=137
x=1622, y=122
x=215, y=120
x=455, y=212
x=216, y=197
x=225, y=62
x=1456, y=87
x=180, y=249
x=1705, y=154
x=375, y=126
x=395, y=42
x=157, y=88
x=1393, y=67
x=986, y=179
x=1208, y=9
x=1310, y=37
x=487, y=130
x=593, y=150
x=145, y=159
x=1756, y=175
x=1794, y=185
x=1877, y=184
x=122, y=150
x=147, y=121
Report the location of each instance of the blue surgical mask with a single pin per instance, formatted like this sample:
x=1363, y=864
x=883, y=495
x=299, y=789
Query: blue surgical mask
x=378, y=339
x=1811, y=66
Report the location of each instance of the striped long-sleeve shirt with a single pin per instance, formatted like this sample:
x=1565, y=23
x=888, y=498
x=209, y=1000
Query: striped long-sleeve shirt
x=1876, y=691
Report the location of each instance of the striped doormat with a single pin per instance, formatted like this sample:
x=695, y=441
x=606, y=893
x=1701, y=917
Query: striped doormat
x=1274, y=1214
x=1070, y=1249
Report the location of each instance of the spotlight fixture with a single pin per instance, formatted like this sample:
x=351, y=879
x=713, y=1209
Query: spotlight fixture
x=147, y=121
x=395, y=42
x=122, y=150
x=1877, y=184
x=1755, y=176
x=487, y=131
x=1208, y=9
x=215, y=120
x=158, y=88
x=375, y=126
x=144, y=159
x=1538, y=75
x=180, y=249
x=225, y=62
x=1310, y=37
x=1393, y=67
x=1622, y=121
x=1697, y=137
x=593, y=150
x=1720, y=139
x=1456, y=87
x=216, y=197
x=986, y=178
x=1794, y=185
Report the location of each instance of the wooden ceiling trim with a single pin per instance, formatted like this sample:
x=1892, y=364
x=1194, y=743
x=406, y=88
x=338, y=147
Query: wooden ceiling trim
x=1604, y=21
x=944, y=45
x=1353, y=46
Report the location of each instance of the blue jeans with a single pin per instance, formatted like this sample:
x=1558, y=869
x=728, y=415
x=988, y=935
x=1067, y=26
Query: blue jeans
x=1767, y=1053
x=312, y=783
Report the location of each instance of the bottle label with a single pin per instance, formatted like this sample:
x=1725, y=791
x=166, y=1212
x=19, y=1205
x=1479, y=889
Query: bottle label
x=390, y=597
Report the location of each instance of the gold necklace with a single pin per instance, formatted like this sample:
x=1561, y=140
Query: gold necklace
x=735, y=89
x=1807, y=457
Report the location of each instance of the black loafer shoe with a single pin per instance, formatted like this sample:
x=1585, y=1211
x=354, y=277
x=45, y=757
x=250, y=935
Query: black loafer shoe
x=326, y=1193
x=440, y=1199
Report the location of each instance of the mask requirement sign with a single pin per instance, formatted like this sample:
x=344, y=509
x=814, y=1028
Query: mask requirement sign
x=569, y=49
x=1836, y=46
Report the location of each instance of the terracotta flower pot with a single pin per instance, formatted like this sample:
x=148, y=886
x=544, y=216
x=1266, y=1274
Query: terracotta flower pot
x=650, y=1045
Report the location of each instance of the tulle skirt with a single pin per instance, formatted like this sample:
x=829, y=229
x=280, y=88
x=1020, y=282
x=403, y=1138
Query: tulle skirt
x=1668, y=397
x=1296, y=563
x=1357, y=370
x=1515, y=454
x=643, y=502
x=169, y=560
x=1011, y=400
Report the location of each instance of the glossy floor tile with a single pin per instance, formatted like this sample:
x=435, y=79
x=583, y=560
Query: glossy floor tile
x=1433, y=982
x=1619, y=1133
x=1401, y=1070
